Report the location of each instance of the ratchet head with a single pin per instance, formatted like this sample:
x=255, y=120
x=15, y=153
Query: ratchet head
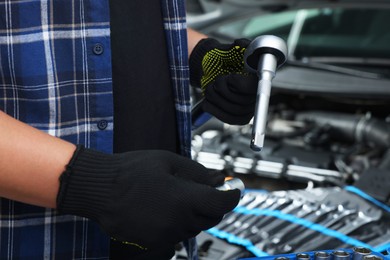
x=266, y=44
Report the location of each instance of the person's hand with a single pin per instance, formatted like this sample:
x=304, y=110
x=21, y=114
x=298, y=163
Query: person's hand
x=229, y=91
x=151, y=199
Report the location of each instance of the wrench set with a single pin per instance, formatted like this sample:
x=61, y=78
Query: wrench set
x=283, y=222
x=356, y=253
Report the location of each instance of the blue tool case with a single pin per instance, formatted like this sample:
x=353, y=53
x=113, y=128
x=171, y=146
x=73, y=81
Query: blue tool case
x=357, y=253
x=280, y=223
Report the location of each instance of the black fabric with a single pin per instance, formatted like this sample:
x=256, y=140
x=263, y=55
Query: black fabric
x=144, y=116
x=231, y=98
x=151, y=199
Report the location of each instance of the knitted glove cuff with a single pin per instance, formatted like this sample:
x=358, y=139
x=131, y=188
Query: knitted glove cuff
x=196, y=58
x=86, y=183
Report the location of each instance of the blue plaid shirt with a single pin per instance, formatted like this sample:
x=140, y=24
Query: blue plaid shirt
x=55, y=72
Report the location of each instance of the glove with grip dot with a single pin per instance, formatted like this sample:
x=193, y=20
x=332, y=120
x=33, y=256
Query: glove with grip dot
x=218, y=70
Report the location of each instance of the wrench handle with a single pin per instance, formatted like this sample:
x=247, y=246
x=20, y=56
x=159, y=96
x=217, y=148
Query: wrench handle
x=266, y=74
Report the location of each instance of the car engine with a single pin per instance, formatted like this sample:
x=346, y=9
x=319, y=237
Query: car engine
x=322, y=180
x=332, y=143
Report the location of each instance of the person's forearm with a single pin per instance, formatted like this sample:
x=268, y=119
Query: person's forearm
x=193, y=38
x=31, y=162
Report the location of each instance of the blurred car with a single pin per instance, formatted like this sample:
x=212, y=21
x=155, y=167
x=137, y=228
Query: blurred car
x=332, y=96
x=329, y=113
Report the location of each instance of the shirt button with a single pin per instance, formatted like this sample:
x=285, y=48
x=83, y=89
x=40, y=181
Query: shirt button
x=98, y=48
x=102, y=124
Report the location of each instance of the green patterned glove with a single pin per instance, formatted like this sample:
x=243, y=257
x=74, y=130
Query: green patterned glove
x=218, y=69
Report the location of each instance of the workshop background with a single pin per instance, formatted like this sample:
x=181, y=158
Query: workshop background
x=321, y=183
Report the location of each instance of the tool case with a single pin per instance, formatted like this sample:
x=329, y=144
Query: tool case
x=280, y=223
x=357, y=253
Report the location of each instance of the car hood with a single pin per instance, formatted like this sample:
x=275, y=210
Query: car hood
x=288, y=3
x=294, y=78
x=204, y=12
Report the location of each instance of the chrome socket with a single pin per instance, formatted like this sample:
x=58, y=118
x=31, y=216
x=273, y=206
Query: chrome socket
x=360, y=252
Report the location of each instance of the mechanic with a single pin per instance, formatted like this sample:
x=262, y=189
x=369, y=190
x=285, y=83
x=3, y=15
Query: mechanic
x=95, y=123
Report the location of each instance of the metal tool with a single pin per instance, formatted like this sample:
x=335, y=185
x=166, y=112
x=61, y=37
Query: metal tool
x=245, y=218
x=332, y=208
x=244, y=230
x=231, y=217
x=231, y=184
x=360, y=252
x=283, y=236
x=340, y=255
x=281, y=258
x=263, y=56
x=302, y=203
x=272, y=239
x=237, y=219
x=372, y=257
x=346, y=226
x=322, y=255
x=302, y=256
x=272, y=228
x=310, y=238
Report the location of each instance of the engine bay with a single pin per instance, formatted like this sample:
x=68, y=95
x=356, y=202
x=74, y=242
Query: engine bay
x=327, y=142
x=326, y=152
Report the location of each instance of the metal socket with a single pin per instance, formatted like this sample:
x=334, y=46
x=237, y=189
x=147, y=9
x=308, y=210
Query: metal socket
x=233, y=183
x=372, y=257
x=360, y=252
x=340, y=255
x=303, y=256
x=322, y=255
x=281, y=258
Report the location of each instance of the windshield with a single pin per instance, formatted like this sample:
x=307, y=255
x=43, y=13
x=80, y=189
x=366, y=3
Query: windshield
x=324, y=33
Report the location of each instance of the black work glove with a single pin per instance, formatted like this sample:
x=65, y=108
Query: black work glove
x=229, y=91
x=149, y=199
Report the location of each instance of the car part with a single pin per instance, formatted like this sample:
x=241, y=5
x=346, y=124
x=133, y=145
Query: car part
x=325, y=147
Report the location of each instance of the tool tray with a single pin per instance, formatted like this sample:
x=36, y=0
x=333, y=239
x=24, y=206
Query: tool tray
x=283, y=222
x=326, y=254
